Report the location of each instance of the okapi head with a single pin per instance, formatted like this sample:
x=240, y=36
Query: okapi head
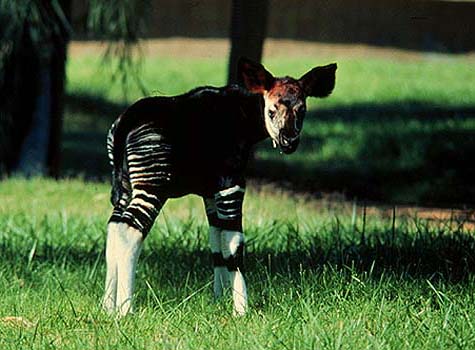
x=284, y=98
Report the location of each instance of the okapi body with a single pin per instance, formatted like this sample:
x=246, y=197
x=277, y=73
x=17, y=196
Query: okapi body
x=198, y=143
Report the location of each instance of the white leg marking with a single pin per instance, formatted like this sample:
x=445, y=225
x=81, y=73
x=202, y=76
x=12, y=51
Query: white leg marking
x=230, y=242
x=221, y=274
x=130, y=244
x=123, y=249
x=110, y=293
x=238, y=286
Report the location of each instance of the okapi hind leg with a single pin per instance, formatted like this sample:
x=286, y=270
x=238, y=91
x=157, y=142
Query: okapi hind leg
x=148, y=167
x=123, y=247
x=110, y=289
x=124, y=244
x=120, y=197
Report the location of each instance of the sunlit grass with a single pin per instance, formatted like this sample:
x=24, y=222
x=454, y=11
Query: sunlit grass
x=393, y=130
x=320, y=277
x=444, y=81
x=322, y=274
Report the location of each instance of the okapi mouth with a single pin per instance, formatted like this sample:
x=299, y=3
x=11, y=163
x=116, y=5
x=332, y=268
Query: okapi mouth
x=288, y=145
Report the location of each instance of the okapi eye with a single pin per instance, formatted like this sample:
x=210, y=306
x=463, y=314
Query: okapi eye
x=271, y=114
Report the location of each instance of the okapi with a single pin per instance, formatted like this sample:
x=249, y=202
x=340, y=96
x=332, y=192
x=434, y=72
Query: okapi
x=198, y=142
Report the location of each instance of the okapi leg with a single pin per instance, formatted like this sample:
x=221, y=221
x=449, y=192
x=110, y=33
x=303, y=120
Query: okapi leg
x=121, y=194
x=229, y=213
x=232, y=248
x=147, y=162
x=123, y=247
x=110, y=290
x=221, y=274
x=124, y=242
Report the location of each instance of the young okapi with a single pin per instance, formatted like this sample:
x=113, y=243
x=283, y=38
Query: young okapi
x=199, y=142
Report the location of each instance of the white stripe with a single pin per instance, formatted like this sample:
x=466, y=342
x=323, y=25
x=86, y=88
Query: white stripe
x=227, y=216
x=149, y=162
x=230, y=210
x=139, y=201
x=142, y=210
x=144, y=193
x=138, y=175
x=230, y=191
x=229, y=201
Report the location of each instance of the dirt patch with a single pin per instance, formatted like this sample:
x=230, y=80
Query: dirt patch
x=453, y=219
x=441, y=219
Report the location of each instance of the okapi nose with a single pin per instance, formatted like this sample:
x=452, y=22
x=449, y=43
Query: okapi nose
x=290, y=134
x=286, y=140
x=288, y=145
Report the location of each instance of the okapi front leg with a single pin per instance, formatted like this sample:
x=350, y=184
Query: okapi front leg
x=232, y=248
x=221, y=274
x=229, y=213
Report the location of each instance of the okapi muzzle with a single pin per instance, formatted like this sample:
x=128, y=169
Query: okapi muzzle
x=285, y=99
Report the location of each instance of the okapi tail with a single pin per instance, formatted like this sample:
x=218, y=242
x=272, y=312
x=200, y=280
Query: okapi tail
x=141, y=112
x=116, y=164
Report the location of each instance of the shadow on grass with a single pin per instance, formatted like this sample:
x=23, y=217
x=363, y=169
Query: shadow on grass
x=446, y=257
x=411, y=153
x=405, y=153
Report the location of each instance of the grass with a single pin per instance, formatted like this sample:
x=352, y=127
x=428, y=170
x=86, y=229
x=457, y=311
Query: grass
x=320, y=275
x=399, y=131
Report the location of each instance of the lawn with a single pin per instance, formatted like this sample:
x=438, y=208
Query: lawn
x=399, y=127
x=324, y=270
x=321, y=275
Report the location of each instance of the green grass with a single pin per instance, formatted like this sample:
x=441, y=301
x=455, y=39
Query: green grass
x=441, y=80
x=319, y=277
x=392, y=131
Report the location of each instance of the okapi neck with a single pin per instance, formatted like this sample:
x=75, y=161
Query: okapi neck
x=252, y=109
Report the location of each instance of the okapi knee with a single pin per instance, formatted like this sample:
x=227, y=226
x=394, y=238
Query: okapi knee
x=221, y=275
x=232, y=249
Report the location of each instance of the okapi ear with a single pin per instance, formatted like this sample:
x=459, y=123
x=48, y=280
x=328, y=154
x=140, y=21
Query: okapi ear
x=253, y=76
x=320, y=81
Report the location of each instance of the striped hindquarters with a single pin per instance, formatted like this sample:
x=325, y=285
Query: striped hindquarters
x=148, y=157
x=149, y=171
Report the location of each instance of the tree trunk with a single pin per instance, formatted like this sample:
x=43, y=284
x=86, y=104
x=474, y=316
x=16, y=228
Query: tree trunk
x=32, y=159
x=248, y=31
x=33, y=107
x=58, y=79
